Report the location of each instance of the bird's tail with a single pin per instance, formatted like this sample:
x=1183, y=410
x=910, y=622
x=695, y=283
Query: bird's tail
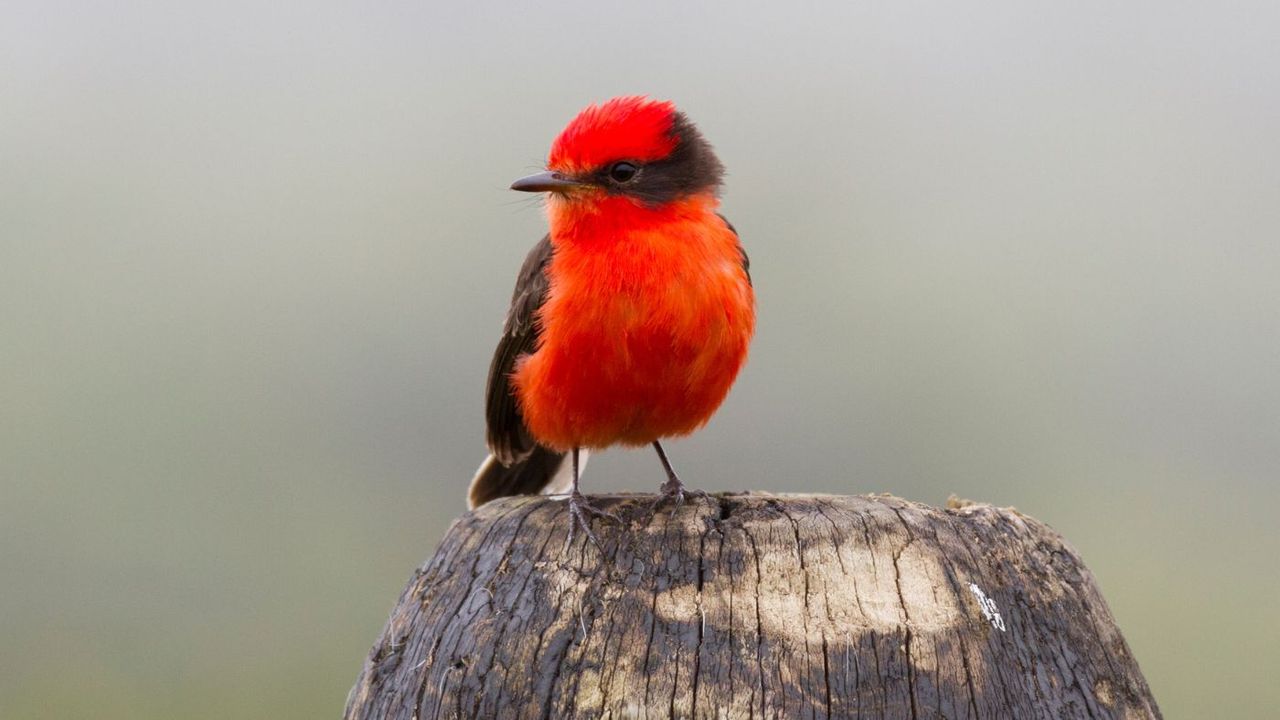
x=544, y=471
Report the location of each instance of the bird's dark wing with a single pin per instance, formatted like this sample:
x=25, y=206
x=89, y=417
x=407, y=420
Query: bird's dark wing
x=508, y=437
x=746, y=261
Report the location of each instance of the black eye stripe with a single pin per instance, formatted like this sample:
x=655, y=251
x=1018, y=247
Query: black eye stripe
x=692, y=167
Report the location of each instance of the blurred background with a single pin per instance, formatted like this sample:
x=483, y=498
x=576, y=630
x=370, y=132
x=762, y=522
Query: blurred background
x=254, y=260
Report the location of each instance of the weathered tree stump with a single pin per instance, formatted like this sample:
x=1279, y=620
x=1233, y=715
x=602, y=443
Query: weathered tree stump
x=752, y=606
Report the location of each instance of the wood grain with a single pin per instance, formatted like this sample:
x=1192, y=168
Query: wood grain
x=752, y=606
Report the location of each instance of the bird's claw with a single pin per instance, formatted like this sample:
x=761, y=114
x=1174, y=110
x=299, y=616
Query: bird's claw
x=580, y=512
x=674, y=490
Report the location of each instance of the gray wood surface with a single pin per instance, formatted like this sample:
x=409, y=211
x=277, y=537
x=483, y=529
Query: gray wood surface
x=752, y=606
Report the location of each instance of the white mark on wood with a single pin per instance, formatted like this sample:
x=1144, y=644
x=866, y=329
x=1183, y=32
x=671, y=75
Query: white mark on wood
x=988, y=606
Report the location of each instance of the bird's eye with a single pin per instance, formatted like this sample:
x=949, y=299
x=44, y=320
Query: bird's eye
x=623, y=172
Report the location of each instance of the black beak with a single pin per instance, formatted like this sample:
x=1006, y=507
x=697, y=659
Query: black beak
x=546, y=182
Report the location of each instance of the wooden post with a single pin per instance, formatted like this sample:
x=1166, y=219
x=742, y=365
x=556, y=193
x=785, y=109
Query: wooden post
x=752, y=606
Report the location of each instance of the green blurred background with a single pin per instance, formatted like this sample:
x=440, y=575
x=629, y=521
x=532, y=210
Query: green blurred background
x=253, y=261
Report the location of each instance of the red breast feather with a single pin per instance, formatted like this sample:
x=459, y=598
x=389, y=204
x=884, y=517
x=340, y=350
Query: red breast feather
x=646, y=325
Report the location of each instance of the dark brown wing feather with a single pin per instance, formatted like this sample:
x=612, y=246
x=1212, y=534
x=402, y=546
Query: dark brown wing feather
x=746, y=262
x=507, y=435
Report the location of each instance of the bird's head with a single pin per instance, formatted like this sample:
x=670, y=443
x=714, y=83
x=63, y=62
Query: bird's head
x=628, y=152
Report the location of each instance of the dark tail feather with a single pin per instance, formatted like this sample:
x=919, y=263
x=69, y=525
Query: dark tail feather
x=528, y=477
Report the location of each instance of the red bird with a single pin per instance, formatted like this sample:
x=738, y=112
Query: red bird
x=631, y=318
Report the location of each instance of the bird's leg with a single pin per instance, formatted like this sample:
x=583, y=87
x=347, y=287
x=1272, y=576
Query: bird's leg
x=672, y=488
x=580, y=510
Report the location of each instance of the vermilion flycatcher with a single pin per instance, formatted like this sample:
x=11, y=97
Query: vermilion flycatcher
x=631, y=318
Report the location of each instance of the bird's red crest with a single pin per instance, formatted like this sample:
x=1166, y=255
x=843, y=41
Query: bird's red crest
x=625, y=128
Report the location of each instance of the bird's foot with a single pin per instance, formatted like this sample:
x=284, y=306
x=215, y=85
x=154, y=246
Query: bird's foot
x=580, y=512
x=674, y=490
